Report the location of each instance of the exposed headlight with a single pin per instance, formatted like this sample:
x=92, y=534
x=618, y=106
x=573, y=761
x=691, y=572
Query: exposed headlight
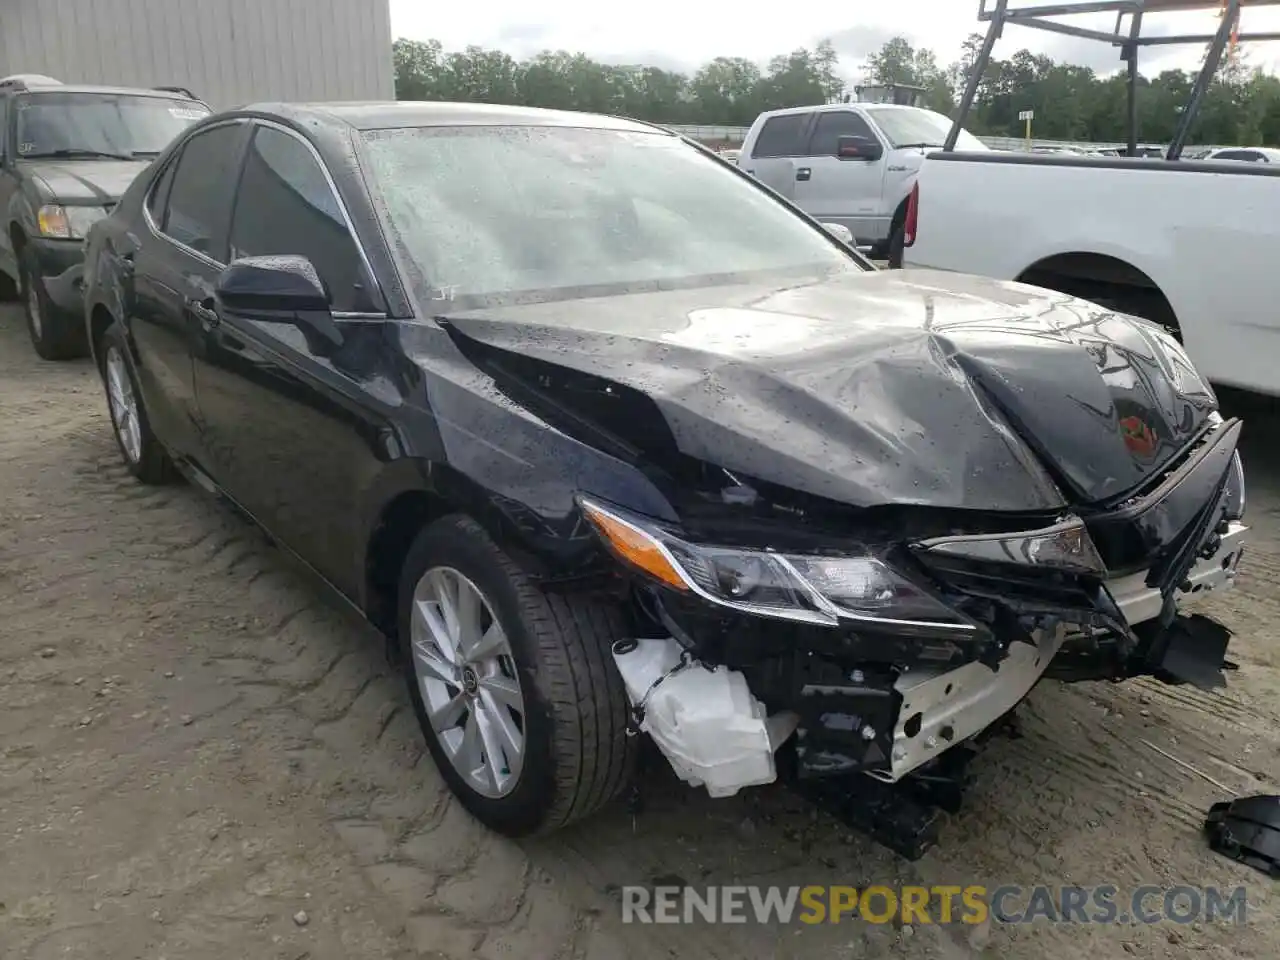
x=1064, y=546
x=1235, y=500
x=67, y=223
x=811, y=589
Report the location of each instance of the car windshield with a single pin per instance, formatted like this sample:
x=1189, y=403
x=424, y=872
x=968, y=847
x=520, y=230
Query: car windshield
x=100, y=124
x=914, y=127
x=560, y=213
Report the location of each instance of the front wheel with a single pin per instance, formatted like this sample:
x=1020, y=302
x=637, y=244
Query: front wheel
x=522, y=706
x=55, y=334
x=143, y=454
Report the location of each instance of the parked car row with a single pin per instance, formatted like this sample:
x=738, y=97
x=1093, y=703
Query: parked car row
x=67, y=153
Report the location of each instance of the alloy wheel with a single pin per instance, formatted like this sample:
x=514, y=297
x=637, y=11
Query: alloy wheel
x=123, y=404
x=465, y=671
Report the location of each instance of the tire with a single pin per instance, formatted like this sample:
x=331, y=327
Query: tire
x=144, y=456
x=897, y=246
x=576, y=754
x=55, y=334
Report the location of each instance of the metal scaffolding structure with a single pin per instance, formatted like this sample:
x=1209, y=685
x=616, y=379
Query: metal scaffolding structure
x=1127, y=36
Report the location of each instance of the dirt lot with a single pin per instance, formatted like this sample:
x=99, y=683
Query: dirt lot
x=200, y=758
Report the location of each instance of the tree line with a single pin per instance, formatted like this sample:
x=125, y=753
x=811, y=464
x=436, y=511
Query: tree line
x=1070, y=102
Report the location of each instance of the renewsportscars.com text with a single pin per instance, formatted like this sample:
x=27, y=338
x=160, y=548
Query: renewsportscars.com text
x=974, y=904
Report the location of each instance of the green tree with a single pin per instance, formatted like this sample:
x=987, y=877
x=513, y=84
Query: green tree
x=418, y=69
x=1070, y=102
x=727, y=87
x=895, y=62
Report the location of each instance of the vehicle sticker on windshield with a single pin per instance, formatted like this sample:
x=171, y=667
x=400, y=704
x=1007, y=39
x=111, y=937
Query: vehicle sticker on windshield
x=186, y=113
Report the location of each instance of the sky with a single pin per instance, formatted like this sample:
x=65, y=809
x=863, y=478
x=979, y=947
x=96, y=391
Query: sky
x=683, y=34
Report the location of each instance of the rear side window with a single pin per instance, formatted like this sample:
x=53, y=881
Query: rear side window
x=198, y=212
x=781, y=136
x=160, y=192
x=834, y=124
x=4, y=123
x=285, y=205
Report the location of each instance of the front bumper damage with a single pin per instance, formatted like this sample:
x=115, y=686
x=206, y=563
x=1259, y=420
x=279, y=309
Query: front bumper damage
x=893, y=708
x=61, y=265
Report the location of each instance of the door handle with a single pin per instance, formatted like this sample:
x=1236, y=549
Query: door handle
x=803, y=173
x=203, y=311
x=126, y=263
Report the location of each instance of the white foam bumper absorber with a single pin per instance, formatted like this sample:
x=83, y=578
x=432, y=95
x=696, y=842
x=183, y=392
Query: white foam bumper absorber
x=706, y=722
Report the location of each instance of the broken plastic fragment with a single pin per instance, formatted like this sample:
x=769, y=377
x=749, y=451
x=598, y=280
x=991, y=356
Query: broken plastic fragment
x=707, y=724
x=1248, y=831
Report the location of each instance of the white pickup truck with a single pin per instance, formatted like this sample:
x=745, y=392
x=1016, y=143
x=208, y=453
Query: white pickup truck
x=1190, y=244
x=850, y=164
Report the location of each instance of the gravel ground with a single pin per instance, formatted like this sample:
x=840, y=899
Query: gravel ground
x=200, y=757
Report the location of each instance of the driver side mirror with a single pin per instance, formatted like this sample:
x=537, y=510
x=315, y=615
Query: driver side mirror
x=280, y=289
x=850, y=147
x=840, y=232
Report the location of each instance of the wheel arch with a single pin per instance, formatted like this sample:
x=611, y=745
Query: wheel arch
x=100, y=320
x=1103, y=278
x=900, y=213
x=413, y=493
x=392, y=532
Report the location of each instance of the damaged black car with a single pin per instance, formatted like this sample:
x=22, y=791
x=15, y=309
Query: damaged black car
x=610, y=441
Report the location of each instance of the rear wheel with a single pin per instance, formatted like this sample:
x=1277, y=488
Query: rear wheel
x=897, y=246
x=516, y=691
x=143, y=454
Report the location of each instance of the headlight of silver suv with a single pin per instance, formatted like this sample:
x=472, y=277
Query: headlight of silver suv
x=67, y=223
x=824, y=590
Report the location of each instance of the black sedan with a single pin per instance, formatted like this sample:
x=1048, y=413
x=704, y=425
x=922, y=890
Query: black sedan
x=608, y=438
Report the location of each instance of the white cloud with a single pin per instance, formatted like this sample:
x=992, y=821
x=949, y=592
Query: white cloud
x=684, y=34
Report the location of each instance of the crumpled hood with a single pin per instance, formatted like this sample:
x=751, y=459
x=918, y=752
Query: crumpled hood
x=907, y=387
x=86, y=181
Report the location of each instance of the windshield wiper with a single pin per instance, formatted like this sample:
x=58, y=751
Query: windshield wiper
x=74, y=154
x=908, y=146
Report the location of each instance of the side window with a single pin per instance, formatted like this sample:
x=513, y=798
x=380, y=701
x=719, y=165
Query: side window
x=286, y=206
x=159, y=197
x=781, y=136
x=834, y=124
x=4, y=123
x=198, y=211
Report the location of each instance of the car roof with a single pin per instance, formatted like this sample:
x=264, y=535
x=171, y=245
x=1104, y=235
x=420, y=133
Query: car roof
x=828, y=107
x=1270, y=152
x=399, y=114
x=37, y=89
